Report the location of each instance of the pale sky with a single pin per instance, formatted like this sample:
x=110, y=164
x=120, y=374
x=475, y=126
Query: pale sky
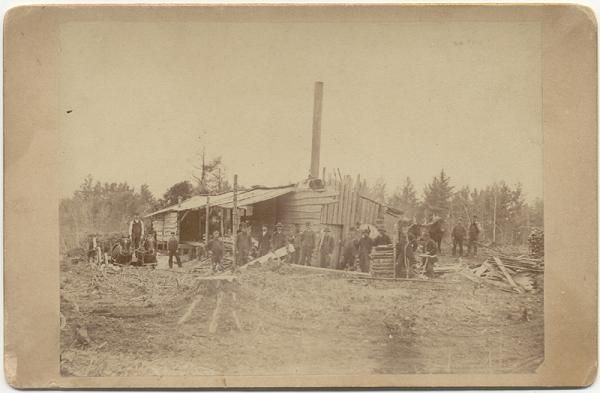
x=403, y=99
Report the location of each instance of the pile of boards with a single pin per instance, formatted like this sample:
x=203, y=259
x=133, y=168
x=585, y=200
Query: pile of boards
x=382, y=261
x=512, y=274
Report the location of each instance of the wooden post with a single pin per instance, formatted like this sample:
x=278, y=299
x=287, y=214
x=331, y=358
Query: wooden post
x=206, y=227
x=235, y=223
x=222, y=214
x=316, y=130
x=394, y=238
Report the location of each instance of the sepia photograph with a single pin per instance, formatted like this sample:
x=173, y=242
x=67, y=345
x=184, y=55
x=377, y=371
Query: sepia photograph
x=300, y=198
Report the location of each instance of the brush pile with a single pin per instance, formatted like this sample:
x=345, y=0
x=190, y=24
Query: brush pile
x=509, y=273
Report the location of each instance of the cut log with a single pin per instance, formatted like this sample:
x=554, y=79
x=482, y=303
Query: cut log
x=188, y=313
x=215, y=316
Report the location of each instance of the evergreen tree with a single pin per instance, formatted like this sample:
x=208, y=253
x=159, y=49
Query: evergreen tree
x=437, y=194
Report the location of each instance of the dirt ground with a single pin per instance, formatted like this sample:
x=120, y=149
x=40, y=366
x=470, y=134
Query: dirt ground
x=125, y=322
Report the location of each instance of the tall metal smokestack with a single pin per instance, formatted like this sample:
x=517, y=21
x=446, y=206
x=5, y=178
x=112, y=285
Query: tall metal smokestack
x=316, y=131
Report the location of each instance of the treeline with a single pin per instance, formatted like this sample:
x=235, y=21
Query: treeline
x=98, y=207
x=503, y=213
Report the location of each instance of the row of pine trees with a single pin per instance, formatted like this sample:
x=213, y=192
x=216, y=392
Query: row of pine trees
x=504, y=215
x=501, y=209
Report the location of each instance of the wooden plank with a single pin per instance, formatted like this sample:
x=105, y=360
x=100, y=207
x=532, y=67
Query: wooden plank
x=507, y=275
x=348, y=203
x=323, y=269
x=349, y=218
x=336, y=208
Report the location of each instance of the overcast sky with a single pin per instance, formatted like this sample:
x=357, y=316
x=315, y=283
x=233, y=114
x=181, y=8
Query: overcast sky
x=400, y=100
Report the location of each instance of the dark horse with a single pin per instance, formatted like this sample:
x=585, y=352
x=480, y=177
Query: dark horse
x=436, y=232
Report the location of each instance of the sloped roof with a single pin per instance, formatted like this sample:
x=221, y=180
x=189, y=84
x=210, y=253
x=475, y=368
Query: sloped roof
x=389, y=209
x=245, y=198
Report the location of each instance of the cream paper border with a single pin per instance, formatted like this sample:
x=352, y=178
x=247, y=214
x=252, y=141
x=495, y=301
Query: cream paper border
x=31, y=269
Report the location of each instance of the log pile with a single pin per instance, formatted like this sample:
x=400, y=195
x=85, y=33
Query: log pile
x=536, y=243
x=513, y=274
x=382, y=261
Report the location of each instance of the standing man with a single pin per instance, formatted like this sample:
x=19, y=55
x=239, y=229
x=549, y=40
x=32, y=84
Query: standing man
x=349, y=251
x=365, y=244
x=264, y=241
x=136, y=231
x=431, y=250
x=326, y=249
x=216, y=248
x=308, y=245
x=473, y=236
x=173, y=246
x=243, y=244
x=278, y=240
x=291, y=239
x=459, y=232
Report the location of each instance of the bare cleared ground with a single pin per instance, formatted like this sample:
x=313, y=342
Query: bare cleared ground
x=125, y=323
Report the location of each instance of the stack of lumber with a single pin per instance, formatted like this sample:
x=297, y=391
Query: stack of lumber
x=536, y=243
x=514, y=274
x=382, y=261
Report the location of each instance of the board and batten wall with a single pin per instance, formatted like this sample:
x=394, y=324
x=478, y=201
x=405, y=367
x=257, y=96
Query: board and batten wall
x=164, y=224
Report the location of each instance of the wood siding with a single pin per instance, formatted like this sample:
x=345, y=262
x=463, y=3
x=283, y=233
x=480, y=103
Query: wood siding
x=164, y=224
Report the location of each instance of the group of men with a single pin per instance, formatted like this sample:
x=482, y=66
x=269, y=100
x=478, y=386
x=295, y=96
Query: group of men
x=356, y=247
x=304, y=242
x=459, y=233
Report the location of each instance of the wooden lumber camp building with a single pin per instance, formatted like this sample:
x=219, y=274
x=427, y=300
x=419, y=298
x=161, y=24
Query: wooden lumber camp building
x=338, y=206
x=337, y=203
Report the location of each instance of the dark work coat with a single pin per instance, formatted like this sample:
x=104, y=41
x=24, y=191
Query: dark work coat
x=172, y=244
x=278, y=240
x=474, y=231
x=308, y=239
x=217, y=248
x=264, y=243
x=365, y=244
x=327, y=244
x=459, y=232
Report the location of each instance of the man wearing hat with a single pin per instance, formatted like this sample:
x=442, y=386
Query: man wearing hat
x=264, y=241
x=136, y=231
x=365, y=244
x=173, y=246
x=243, y=243
x=458, y=236
x=278, y=240
x=217, y=249
x=293, y=238
x=473, y=236
x=326, y=248
x=308, y=245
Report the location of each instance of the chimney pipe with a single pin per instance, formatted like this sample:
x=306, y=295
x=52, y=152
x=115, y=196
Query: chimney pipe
x=316, y=131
